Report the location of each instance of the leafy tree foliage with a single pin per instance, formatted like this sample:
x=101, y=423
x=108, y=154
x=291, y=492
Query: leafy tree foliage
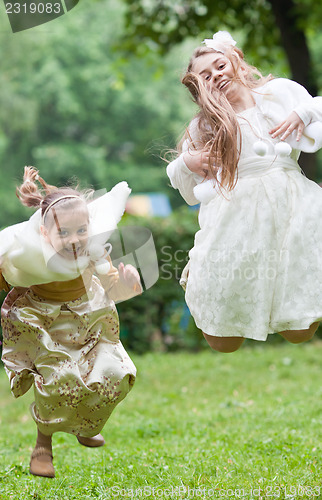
x=265, y=25
x=71, y=106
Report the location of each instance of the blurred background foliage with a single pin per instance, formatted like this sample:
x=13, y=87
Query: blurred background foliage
x=95, y=96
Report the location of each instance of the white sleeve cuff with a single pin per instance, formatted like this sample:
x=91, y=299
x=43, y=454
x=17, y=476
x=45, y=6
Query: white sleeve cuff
x=174, y=166
x=310, y=111
x=303, y=114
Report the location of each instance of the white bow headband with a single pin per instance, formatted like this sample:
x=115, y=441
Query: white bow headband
x=220, y=41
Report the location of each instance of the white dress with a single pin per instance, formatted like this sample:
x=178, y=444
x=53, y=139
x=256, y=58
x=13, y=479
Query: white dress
x=256, y=264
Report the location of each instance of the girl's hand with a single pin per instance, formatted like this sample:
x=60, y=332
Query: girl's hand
x=197, y=162
x=129, y=275
x=285, y=128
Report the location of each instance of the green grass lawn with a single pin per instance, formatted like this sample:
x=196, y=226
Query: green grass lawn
x=242, y=425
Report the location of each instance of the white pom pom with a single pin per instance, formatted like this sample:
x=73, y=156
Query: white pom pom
x=205, y=191
x=260, y=148
x=282, y=149
x=96, y=251
x=102, y=267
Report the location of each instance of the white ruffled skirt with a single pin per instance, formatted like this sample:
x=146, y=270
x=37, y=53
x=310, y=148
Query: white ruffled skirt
x=256, y=265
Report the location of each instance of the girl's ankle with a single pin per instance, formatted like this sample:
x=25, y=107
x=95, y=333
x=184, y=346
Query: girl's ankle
x=43, y=441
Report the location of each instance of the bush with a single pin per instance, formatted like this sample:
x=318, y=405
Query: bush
x=159, y=318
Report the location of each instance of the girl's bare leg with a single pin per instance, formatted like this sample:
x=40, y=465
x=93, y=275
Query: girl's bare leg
x=41, y=463
x=224, y=344
x=298, y=336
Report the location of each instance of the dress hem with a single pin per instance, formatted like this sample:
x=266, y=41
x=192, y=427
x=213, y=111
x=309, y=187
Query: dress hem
x=288, y=325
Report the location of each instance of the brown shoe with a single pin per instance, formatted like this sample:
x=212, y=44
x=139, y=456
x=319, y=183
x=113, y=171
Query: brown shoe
x=41, y=463
x=91, y=442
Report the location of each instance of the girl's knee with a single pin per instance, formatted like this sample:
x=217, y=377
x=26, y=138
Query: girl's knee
x=298, y=336
x=224, y=344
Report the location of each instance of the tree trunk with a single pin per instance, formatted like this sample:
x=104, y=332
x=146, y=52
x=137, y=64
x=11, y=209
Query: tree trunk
x=295, y=45
x=309, y=165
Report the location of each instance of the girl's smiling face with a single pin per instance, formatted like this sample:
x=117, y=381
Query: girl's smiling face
x=66, y=230
x=218, y=74
x=215, y=68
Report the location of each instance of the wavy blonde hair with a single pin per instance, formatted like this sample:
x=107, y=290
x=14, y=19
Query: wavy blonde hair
x=218, y=127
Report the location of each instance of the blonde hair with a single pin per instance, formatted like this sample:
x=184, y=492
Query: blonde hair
x=32, y=195
x=218, y=127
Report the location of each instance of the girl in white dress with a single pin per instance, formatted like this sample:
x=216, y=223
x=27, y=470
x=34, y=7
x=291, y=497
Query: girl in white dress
x=60, y=324
x=256, y=265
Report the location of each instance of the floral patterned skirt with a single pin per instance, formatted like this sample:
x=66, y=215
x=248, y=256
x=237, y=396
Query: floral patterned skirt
x=71, y=354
